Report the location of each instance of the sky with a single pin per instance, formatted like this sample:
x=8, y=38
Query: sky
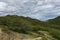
x=38, y=9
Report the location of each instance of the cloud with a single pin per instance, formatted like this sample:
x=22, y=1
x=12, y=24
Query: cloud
x=43, y=7
x=39, y=9
x=2, y=6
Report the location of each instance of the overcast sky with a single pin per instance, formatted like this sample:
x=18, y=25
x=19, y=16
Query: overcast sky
x=39, y=9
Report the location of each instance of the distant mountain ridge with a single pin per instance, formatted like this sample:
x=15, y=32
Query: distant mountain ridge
x=55, y=21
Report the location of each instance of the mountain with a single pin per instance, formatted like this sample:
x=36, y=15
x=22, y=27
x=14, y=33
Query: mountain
x=27, y=26
x=55, y=22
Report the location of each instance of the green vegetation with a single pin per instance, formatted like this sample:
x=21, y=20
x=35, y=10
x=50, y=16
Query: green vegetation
x=25, y=24
x=55, y=23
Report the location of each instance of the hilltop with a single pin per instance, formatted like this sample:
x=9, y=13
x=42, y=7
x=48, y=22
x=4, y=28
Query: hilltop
x=29, y=26
x=55, y=22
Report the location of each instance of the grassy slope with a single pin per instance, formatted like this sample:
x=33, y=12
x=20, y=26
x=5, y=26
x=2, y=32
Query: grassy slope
x=54, y=23
x=25, y=25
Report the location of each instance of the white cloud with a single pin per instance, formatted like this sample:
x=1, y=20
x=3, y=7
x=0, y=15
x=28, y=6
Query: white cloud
x=11, y=8
x=45, y=6
x=39, y=9
x=39, y=2
x=2, y=6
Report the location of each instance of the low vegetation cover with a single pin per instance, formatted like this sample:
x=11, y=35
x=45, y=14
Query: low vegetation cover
x=25, y=25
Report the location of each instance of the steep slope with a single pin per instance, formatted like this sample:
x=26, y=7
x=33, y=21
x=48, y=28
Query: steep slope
x=29, y=26
x=19, y=23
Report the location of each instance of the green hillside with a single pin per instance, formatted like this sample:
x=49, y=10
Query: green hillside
x=55, y=22
x=26, y=25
